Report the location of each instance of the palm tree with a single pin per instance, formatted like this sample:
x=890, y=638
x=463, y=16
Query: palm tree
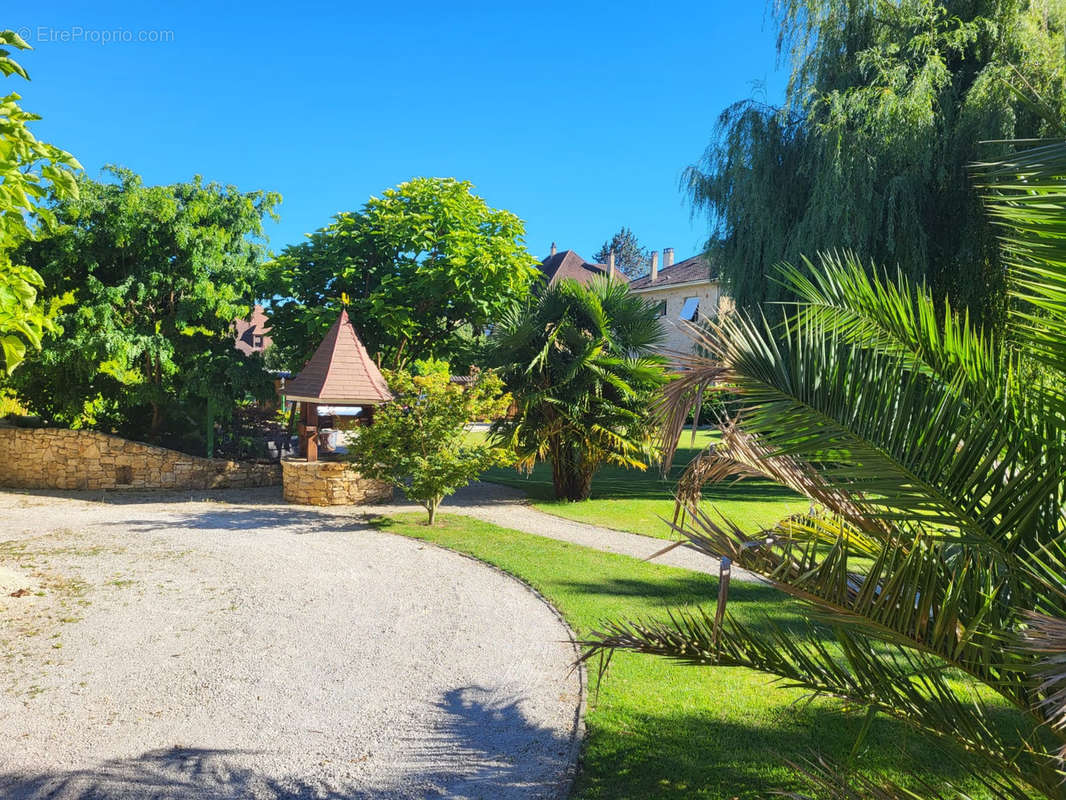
x=579, y=362
x=933, y=454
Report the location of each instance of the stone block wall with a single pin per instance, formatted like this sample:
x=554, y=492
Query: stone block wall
x=55, y=458
x=329, y=483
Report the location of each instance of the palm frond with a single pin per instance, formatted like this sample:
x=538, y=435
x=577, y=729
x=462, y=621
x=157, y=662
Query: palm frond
x=923, y=594
x=1025, y=194
x=887, y=435
x=909, y=686
x=868, y=308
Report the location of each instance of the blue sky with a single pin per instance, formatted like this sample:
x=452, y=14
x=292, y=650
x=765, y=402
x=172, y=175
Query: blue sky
x=578, y=118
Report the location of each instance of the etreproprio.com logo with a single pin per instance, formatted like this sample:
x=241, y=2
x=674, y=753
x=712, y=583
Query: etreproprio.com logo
x=77, y=34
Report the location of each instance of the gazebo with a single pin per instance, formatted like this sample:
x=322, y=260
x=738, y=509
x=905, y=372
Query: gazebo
x=340, y=373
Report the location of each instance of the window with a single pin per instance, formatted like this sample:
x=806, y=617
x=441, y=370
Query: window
x=257, y=341
x=691, y=309
x=660, y=308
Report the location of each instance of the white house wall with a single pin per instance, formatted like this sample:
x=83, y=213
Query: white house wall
x=710, y=297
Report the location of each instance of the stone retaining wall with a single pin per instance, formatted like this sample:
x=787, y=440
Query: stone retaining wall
x=329, y=483
x=55, y=458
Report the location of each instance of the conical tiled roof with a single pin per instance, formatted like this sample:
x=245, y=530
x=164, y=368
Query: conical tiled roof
x=340, y=372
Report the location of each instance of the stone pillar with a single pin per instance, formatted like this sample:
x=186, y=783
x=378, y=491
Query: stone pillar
x=329, y=483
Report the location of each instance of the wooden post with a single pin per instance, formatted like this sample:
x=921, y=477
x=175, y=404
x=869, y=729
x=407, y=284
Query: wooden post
x=210, y=443
x=309, y=430
x=312, y=432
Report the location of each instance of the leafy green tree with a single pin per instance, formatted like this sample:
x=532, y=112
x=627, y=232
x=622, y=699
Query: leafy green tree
x=579, y=361
x=423, y=267
x=28, y=170
x=887, y=105
x=934, y=453
x=629, y=257
x=418, y=442
x=158, y=275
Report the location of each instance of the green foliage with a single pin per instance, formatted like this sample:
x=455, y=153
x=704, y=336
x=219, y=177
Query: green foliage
x=158, y=275
x=28, y=170
x=425, y=267
x=579, y=361
x=629, y=257
x=938, y=465
x=888, y=104
x=418, y=441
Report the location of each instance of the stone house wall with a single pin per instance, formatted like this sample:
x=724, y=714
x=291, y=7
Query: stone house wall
x=711, y=300
x=56, y=458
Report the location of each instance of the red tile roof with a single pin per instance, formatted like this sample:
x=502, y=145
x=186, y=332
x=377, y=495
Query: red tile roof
x=568, y=264
x=340, y=372
x=690, y=270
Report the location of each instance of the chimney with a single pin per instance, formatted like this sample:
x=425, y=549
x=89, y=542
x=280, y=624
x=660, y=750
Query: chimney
x=655, y=265
x=610, y=264
x=553, y=248
x=668, y=257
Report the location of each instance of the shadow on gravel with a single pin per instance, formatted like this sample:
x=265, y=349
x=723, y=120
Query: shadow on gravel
x=302, y=520
x=487, y=748
x=482, y=748
x=173, y=774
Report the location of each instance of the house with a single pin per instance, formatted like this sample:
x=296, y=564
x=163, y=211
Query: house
x=252, y=335
x=568, y=264
x=686, y=290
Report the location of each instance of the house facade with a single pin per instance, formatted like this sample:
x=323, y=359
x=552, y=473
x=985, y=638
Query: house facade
x=687, y=290
x=252, y=335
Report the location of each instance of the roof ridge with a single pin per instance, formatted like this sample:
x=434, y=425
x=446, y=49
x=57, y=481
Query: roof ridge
x=372, y=369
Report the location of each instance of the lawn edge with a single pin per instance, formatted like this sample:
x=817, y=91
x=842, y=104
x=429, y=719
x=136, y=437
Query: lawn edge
x=532, y=503
x=577, y=732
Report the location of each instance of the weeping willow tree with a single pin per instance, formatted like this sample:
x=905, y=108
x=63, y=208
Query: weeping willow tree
x=888, y=102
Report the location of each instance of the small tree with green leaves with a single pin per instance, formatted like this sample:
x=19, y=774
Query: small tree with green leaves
x=419, y=443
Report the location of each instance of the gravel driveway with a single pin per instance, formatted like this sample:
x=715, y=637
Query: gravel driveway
x=224, y=645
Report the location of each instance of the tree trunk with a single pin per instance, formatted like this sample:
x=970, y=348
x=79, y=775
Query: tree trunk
x=571, y=476
x=209, y=444
x=557, y=453
x=582, y=486
x=157, y=420
x=431, y=507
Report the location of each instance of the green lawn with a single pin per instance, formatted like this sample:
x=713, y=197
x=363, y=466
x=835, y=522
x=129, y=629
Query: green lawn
x=660, y=730
x=632, y=500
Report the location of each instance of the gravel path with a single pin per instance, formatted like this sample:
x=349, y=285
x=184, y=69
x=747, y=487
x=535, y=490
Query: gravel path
x=225, y=645
x=508, y=507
